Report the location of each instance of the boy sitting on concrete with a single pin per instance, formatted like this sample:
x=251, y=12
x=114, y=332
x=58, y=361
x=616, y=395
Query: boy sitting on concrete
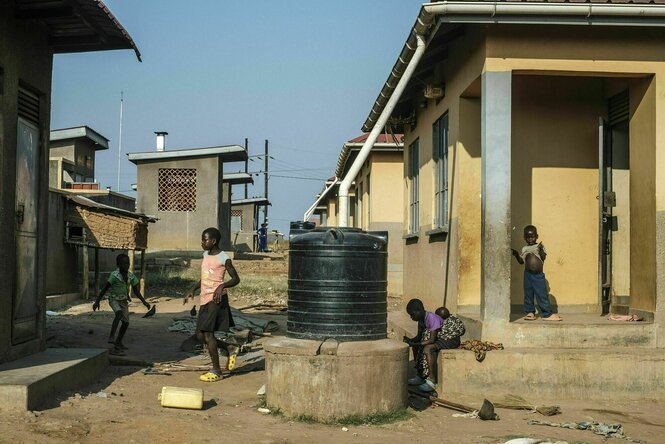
x=423, y=345
x=119, y=283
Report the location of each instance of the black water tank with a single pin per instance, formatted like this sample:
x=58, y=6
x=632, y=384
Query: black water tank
x=300, y=227
x=338, y=285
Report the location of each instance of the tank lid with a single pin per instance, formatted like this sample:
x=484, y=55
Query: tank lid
x=339, y=236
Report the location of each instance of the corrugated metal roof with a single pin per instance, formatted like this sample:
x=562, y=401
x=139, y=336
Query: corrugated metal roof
x=78, y=25
x=385, y=142
x=89, y=203
x=383, y=138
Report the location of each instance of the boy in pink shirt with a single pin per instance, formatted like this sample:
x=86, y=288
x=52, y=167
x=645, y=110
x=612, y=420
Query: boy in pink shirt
x=214, y=308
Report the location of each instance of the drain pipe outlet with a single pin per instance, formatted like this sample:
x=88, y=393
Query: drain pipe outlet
x=345, y=185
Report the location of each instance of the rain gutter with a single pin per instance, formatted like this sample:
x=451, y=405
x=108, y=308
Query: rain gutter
x=345, y=185
x=311, y=209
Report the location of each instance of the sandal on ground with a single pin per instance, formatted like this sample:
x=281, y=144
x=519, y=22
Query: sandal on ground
x=553, y=317
x=210, y=376
x=232, y=361
x=530, y=317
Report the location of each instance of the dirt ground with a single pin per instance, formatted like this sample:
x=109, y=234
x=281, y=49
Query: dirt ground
x=122, y=405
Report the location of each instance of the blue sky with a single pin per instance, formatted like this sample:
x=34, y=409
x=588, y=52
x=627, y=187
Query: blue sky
x=301, y=74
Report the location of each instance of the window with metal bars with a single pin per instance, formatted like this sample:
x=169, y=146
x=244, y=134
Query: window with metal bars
x=176, y=189
x=236, y=221
x=440, y=156
x=414, y=199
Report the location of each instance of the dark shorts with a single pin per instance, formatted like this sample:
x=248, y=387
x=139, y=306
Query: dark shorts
x=447, y=344
x=215, y=317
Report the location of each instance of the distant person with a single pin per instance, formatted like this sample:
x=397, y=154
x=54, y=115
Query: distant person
x=533, y=258
x=119, y=283
x=214, y=309
x=263, y=238
x=423, y=345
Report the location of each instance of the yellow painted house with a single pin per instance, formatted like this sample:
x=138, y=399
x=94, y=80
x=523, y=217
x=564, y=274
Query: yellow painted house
x=542, y=113
x=377, y=196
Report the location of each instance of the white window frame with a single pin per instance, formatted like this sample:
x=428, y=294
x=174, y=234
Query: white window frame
x=440, y=157
x=414, y=185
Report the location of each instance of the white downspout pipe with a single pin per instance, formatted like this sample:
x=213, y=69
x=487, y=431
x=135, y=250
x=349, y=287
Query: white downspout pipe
x=345, y=185
x=311, y=209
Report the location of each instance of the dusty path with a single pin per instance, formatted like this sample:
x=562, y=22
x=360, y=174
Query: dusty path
x=122, y=406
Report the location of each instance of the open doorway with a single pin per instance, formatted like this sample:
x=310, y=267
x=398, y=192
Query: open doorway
x=614, y=206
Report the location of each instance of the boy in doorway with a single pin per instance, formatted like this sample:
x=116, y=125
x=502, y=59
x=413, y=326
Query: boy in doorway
x=423, y=345
x=119, y=283
x=214, y=308
x=533, y=258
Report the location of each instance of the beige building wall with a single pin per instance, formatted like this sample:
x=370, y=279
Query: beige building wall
x=382, y=208
x=243, y=240
x=607, y=52
x=647, y=141
x=444, y=268
x=555, y=181
x=555, y=173
x=332, y=210
x=180, y=230
x=468, y=185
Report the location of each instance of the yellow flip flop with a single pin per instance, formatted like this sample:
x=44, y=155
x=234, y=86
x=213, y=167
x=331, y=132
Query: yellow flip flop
x=210, y=377
x=232, y=361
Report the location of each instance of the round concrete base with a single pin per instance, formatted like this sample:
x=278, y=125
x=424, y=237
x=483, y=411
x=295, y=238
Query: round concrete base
x=331, y=379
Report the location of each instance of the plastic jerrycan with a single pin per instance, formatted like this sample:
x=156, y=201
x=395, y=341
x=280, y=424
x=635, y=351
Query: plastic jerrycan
x=181, y=398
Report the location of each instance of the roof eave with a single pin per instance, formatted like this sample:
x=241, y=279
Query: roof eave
x=495, y=12
x=230, y=153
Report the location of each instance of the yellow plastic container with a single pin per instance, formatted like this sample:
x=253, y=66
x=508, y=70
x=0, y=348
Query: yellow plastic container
x=181, y=398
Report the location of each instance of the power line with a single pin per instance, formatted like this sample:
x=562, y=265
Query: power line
x=297, y=177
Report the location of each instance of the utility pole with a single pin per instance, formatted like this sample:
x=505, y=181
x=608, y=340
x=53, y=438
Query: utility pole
x=119, y=143
x=246, y=162
x=265, y=211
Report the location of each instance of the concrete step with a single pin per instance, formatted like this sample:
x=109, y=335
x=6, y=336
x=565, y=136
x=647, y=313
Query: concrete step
x=575, y=331
x=555, y=374
x=620, y=309
x=26, y=382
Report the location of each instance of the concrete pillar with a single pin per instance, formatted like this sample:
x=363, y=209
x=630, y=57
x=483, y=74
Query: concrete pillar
x=495, y=213
x=86, y=274
x=143, y=269
x=657, y=84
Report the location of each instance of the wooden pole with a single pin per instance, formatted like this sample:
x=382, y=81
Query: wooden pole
x=96, y=272
x=143, y=267
x=130, y=253
x=86, y=273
